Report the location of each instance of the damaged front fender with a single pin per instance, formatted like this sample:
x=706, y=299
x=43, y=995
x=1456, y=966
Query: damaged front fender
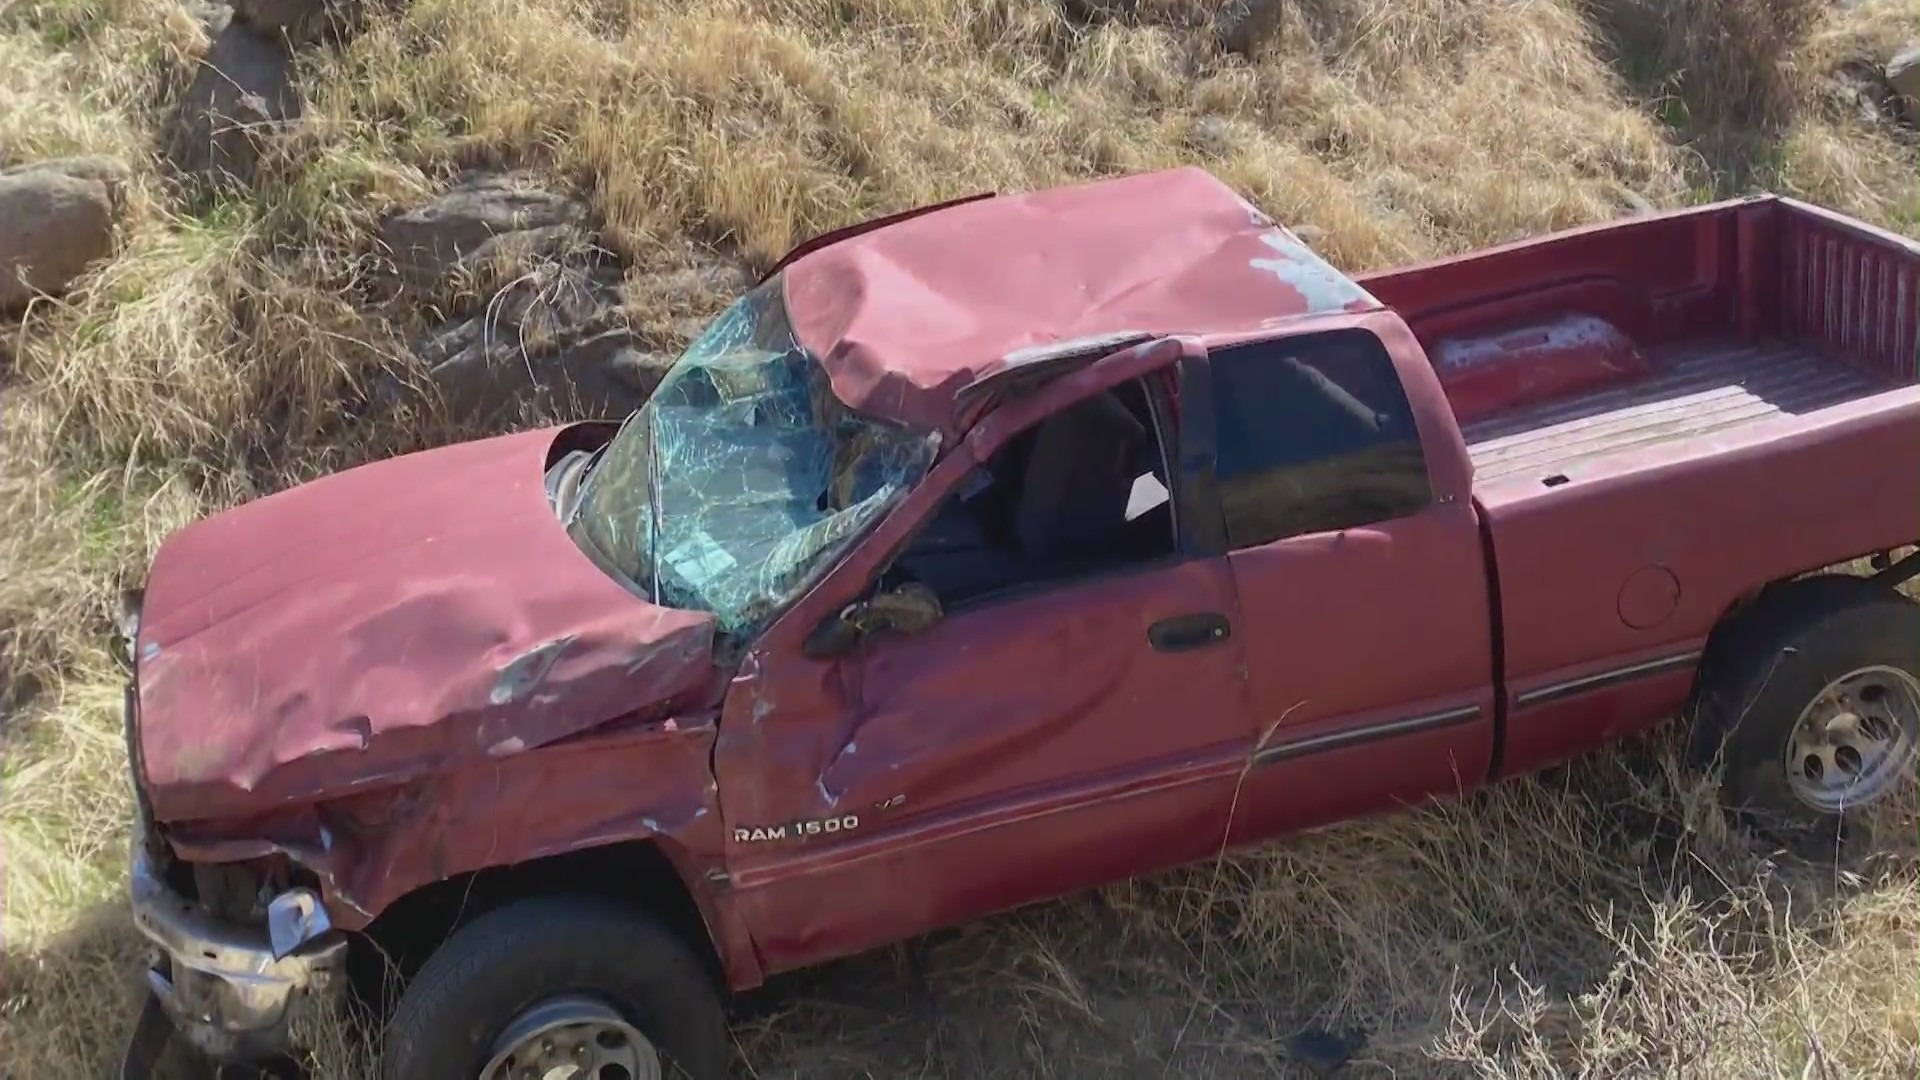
x=643, y=782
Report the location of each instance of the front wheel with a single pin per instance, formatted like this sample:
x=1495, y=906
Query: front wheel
x=1812, y=704
x=559, y=987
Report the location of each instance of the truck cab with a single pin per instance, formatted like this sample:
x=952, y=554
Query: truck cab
x=997, y=552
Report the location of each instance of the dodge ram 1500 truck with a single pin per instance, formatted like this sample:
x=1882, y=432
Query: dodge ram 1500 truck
x=998, y=550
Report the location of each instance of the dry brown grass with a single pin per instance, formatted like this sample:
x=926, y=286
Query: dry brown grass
x=1598, y=922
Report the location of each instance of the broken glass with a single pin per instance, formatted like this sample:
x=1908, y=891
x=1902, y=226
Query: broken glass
x=743, y=478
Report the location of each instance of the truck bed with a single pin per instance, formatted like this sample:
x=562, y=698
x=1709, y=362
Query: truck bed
x=1623, y=339
x=1663, y=414
x=1697, y=388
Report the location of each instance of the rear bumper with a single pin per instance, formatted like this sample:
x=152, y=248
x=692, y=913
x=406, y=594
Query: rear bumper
x=219, y=982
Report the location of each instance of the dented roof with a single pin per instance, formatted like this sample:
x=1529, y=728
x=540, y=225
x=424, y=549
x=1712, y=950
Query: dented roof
x=907, y=315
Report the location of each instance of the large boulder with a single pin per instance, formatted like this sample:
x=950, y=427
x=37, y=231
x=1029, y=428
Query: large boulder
x=240, y=97
x=110, y=173
x=573, y=341
x=487, y=374
x=56, y=218
x=298, y=22
x=1903, y=75
x=482, y=219
x=552, y=343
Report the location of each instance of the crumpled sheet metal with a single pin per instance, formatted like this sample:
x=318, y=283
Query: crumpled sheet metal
x=925, y=749
x=981, y=741
x=997, y=726
x=408, y=618
x=649, y=781
x=905, y=317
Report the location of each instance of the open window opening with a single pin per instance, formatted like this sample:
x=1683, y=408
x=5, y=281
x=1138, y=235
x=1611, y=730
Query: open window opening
x=1084, y=492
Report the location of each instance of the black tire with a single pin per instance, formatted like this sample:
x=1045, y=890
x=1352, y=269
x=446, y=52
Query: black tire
x=495, y=967
x=1769, y=663
x=180, y=1061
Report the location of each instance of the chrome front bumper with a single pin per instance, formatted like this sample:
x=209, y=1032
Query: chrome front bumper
x=219, y=982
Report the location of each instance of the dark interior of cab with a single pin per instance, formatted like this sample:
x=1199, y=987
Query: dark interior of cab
x=1083, y=491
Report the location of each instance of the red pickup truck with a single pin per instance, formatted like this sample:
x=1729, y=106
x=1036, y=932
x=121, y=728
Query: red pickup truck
x=999, y=550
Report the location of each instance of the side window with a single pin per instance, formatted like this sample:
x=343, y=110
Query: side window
x=1315, y=434
x=1084, y=492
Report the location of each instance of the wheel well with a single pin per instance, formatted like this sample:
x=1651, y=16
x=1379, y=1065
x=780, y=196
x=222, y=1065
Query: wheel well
x=635, y=873
x=1785, y=593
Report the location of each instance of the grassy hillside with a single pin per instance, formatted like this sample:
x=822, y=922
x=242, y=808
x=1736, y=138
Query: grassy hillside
x=1602, y=920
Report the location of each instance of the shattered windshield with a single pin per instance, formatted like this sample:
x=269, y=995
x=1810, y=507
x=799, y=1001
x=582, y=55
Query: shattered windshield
x=743, y=478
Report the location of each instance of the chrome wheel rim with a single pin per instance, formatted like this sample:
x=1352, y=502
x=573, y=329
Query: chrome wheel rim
x=571, y=1038
x=1853, y=741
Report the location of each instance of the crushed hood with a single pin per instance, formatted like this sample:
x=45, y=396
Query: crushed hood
x=403, y=618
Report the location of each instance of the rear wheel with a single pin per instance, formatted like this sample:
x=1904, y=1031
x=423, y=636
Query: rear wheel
x=559, y=989
x=1811, y=702
x=1851, y=744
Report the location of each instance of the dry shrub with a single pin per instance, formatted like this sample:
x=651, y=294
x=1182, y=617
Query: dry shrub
x=1725, y=63
x=1768, y=94
x=59, y=820
x=756, y=125
x=70, y=997
x=1854, y=169
x=1864, y=32
x=146, y=362
x=77, y=75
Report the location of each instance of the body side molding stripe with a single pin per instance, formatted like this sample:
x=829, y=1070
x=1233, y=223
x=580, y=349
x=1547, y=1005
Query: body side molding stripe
x=1336, y=740
x=1603, y=679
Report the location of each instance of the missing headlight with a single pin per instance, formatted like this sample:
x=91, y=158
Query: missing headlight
x=127, y=623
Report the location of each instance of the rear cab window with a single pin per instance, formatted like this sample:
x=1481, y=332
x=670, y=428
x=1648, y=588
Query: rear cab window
x=1314, y=434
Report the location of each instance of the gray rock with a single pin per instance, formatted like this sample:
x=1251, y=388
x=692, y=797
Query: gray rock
x=482, y=219
x=1861, y=88
x=300, y=22
x=549, y=346
x=239, y=99
x=613, y=372
x=562, y=341
x=1245, y=26
x=53, y=223
x=1632, y=203
x=486, y=376
x=109, y=172
x=214, y=16
x=1903, y=74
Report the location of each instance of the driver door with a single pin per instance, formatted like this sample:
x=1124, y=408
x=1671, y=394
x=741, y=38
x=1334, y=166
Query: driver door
x=1028, y=744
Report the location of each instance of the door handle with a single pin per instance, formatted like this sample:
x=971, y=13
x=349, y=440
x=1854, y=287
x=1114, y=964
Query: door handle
x=1183, y=632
